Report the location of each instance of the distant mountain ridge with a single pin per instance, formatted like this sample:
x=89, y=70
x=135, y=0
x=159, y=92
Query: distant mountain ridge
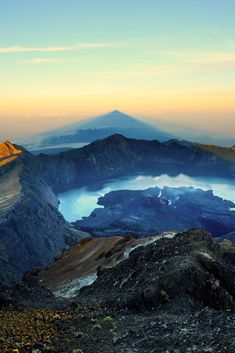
x=118, y=156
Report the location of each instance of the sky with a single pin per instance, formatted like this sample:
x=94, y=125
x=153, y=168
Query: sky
x=64, y=60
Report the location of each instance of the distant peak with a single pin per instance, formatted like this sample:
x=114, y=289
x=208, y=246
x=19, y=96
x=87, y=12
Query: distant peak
x=117, y=138
x=8, y=149
x=116, y=111
x=6, y=142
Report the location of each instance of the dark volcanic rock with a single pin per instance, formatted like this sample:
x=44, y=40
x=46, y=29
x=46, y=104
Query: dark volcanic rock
x=229, y=236
x=155, y=210
x=5, y=295
x=32, y=230
x=173, y=295
x=188, y=271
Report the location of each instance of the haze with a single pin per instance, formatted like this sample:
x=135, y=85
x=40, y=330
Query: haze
x=64, y=60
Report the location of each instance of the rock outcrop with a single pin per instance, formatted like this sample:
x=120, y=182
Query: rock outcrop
x=78, y=266
x=184, y=272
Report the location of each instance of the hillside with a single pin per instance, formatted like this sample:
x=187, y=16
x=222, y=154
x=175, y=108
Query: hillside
x=32, y=231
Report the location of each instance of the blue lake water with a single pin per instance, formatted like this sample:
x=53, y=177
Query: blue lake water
x=80, y=202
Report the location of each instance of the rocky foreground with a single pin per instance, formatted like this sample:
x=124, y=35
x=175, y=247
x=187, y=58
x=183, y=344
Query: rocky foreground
x=173, y=295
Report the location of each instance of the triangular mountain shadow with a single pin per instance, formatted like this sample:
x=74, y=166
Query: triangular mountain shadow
x=103, y=126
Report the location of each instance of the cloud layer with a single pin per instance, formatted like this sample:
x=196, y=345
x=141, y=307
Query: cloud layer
x=54, y=49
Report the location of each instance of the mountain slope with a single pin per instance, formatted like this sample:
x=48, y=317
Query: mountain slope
x=7, y=149
x=32, y=231
x=187, y=268
x=10, y=190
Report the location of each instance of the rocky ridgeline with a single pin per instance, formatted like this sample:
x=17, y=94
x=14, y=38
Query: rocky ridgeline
x=32, y=230
x=117, y=156
x=173, y=295
x=187, y=271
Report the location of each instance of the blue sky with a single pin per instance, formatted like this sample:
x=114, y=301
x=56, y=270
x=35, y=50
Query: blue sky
x=51, y=21
x=70, y=59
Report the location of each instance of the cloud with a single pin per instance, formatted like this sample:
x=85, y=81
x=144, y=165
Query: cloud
x=15, y=49
x=198, y=57
x=54, y=49
x=39, y=61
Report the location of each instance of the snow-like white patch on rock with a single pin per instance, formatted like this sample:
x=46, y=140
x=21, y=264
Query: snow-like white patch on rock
x=71, y=289
x=148, y=242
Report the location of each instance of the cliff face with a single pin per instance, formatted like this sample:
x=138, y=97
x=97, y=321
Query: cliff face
x=32, y=231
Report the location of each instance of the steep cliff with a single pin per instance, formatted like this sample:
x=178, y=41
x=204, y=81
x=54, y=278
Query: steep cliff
x=32, y=231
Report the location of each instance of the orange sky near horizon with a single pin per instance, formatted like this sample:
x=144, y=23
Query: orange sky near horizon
x=168, y=61
x=209, y=111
